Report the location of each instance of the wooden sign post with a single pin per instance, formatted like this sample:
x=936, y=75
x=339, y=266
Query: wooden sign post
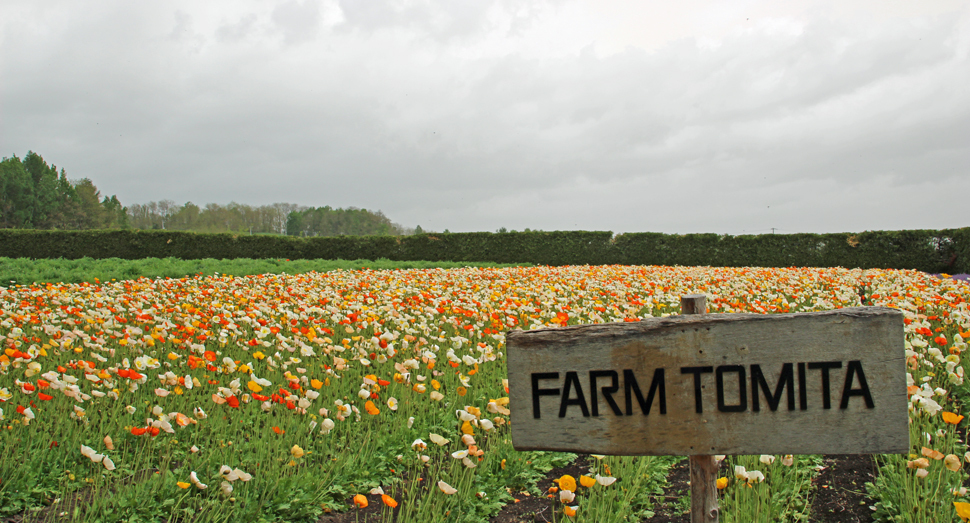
x=703, y=468
x=830, y=382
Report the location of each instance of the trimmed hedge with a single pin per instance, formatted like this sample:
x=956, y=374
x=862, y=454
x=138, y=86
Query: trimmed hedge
x=926, y=250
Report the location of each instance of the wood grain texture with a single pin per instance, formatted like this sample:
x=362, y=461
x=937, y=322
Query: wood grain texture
x=728, y=344
x=703, y=490
x=703, y=469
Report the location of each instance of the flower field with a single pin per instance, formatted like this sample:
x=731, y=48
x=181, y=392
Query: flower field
x=293, y=397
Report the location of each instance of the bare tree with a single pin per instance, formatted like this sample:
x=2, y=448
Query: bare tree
x=281, y=213
x=166, y=208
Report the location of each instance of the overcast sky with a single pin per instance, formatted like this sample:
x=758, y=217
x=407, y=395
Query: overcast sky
x=692, y=116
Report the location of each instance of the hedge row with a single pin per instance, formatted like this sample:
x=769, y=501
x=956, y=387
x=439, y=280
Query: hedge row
x=927, y=250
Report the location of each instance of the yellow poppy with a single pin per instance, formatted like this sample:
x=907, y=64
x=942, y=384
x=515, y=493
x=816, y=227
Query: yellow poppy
x=963, y=510
x=567, y=482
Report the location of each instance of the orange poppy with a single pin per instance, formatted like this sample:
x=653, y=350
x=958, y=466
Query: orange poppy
x=948, y=417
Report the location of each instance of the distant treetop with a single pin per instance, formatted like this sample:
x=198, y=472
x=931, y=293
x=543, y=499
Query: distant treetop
x=33, y=195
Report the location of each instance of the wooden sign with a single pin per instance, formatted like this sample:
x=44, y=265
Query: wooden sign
x=829, y=382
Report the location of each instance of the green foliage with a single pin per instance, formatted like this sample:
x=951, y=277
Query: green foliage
x=945, y=250
x=784, y=495
x=26, y=271
x=278, y=218
x=33, y=195
x=901, y=497
x=927, y=250
x=632, y=497
x=213, y=218
x=546, y=248
x=326, y=221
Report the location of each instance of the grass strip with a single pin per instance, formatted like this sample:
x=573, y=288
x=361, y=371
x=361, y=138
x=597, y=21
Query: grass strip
x=24, y=271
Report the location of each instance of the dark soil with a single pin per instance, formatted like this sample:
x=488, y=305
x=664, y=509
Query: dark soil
x=676, y=497
x=530, y=509
x=371, y=514
x=840, y=494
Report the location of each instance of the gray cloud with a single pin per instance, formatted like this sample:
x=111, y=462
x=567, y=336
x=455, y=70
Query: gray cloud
x=430, y=112
x=239, y=30
x=298, y=21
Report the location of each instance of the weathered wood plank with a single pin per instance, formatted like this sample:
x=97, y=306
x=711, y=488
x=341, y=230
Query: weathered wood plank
x=700, y=405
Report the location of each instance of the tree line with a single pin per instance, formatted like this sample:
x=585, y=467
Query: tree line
x=34, y=195
x=278, y=218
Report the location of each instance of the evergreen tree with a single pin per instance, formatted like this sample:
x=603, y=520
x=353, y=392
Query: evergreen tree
x=34, y=196
x=92, y=215
x=17, y=200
